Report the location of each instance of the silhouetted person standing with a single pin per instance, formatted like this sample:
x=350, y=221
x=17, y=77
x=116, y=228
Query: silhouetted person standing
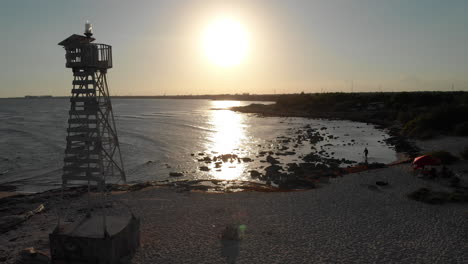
x=366, y=152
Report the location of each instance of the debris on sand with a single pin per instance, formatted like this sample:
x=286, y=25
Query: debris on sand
x=32, y=256
x=9, y=221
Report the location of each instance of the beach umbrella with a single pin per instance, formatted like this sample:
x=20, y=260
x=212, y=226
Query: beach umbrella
x=425, y=160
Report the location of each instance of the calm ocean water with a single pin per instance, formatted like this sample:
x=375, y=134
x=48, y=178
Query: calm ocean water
x=160, y=136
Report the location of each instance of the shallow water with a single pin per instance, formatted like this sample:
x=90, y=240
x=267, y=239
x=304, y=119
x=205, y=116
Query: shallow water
x=160, y=136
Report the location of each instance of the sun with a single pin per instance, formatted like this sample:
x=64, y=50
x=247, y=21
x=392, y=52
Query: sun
x=225, y=42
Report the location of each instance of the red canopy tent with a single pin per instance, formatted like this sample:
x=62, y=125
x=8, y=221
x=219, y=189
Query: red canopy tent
x=425, y=160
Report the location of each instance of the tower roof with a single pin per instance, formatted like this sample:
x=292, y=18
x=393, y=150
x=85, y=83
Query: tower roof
x=76, y=39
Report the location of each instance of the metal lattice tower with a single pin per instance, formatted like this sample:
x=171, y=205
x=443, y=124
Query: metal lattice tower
x=92, y=153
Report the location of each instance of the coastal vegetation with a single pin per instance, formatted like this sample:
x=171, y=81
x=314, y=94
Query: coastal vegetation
x=418, y=114
x=445, y=157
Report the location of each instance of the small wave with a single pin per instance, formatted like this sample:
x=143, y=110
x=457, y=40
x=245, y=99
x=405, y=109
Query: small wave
x=130, y=116
x=27, y=177
x=159, y=115
x=198, y=127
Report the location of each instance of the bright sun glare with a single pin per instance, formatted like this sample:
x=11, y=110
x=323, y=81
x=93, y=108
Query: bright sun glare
x=226, y=42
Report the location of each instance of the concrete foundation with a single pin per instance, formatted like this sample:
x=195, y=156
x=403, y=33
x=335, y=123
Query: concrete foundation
x=85, y=241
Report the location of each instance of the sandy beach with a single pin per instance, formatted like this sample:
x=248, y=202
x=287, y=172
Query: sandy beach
x=350, y=219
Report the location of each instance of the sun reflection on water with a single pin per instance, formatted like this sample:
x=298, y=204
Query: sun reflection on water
x=229, y=133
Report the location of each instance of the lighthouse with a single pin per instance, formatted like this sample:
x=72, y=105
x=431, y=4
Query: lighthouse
x=92, y=158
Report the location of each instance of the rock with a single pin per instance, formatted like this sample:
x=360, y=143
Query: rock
x=246, y=159
x=294, y=168
x=218, y=164
x=255, y=174
x=272, y=171
x=204, y=168
x=312, y=157
x=227, y=157
x=32, y=256
x=201, y=154
x=193, y=154
x=271, y=160
x=176, y=174
x=381, y=183
x=376, y=165
x=207, y=159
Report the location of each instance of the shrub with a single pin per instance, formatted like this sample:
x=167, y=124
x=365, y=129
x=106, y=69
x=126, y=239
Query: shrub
x=444, y=156
x=419, y=127
x=443, y=119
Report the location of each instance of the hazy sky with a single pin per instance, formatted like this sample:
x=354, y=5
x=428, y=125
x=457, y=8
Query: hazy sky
x=294, y=46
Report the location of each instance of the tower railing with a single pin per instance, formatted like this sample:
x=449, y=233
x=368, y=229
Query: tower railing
x=89, y=55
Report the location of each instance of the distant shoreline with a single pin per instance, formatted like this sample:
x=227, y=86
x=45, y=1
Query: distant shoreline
x=248, y=97
x=264, y=98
